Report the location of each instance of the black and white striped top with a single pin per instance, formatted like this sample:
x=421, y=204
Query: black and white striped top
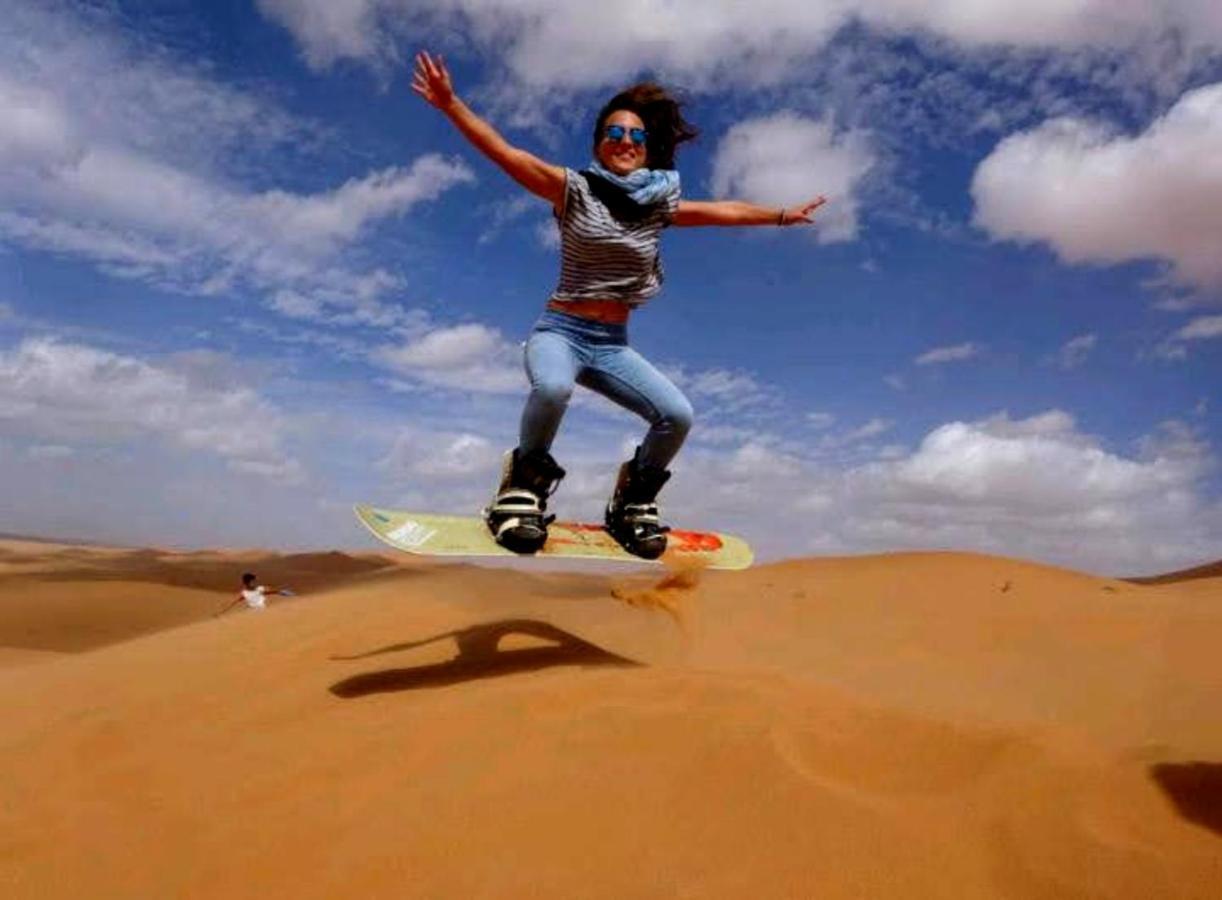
x=609, y=244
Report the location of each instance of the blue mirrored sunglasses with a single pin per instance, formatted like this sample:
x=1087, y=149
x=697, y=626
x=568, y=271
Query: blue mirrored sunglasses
x=616, y=133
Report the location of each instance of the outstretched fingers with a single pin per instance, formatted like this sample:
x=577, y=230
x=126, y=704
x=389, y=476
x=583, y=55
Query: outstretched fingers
x=804, y=212
x=431, y=80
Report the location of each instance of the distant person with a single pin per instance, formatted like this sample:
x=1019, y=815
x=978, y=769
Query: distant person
x=611, y=215
x=253, y=594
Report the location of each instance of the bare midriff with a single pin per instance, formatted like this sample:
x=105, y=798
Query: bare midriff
x=609, y=312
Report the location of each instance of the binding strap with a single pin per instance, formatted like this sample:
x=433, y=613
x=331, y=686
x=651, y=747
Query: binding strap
x=517, y=500
x=644, y=519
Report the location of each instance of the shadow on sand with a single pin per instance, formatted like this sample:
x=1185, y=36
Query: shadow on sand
x=1196, y=790
x=478, y=657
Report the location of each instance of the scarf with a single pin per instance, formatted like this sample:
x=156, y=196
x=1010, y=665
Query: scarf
x=643, y=187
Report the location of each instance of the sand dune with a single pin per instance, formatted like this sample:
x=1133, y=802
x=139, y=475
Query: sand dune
x=57, y=597
x=908, y=725
x=1209, y=570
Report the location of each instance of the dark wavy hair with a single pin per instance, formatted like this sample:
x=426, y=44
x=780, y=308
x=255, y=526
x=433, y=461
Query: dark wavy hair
x=663, y=117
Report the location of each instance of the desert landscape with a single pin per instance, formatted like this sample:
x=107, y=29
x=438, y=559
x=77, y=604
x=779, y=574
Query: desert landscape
x=902, y=725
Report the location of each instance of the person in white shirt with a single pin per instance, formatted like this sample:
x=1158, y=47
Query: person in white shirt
x=253, y=594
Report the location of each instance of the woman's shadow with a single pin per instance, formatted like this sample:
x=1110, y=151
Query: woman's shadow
x=479, y=657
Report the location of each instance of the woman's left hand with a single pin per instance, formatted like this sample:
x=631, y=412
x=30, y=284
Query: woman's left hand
x=802, y=214
x=431, y=81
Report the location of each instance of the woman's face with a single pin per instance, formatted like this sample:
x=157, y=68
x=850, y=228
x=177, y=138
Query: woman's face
x=622, y=156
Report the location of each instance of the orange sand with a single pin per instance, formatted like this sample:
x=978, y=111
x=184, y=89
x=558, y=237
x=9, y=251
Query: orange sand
x=908, y=725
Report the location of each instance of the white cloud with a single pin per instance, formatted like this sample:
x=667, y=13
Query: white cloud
x=331, y=30
x=1201, y=329
x=1041, y=463
x=784, y=159
x=547, y=234
x=1057, y=23
x=1074, y=351
x=469, y=357
x=503, y=212
x=550, y=43
x=76, y=393
x=418, y=456
x=71, y=75
x=119, y=155
x=720, y=393
x=870, y=429
x=957, y=353
x=149, y=220
x=1036, y=488
x=1098, y=197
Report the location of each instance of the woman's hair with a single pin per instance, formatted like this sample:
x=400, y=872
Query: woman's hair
x=248, y=579
x=662, y=117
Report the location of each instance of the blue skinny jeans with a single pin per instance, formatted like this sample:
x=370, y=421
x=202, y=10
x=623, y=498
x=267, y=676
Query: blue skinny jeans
x=565, y=350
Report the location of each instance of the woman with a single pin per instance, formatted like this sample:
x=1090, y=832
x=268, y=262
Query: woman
x=611, y=216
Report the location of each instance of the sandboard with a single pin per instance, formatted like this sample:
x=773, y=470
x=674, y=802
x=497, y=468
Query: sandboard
x=433, y=535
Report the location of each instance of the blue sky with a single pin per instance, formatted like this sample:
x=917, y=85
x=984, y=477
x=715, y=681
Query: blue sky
x=247, y=278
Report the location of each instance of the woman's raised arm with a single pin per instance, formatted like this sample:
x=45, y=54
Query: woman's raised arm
x=736, y=212
x=432, y=82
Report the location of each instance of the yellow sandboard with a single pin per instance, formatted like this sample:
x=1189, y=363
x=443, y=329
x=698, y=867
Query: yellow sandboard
x=432, y=535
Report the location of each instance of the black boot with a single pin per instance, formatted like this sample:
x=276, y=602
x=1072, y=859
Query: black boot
x=517, y=517
x=632, y=514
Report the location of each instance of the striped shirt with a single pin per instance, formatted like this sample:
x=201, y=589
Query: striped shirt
x=608, y=243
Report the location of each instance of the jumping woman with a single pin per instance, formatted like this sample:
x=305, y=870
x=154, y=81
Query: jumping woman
x=611, y=216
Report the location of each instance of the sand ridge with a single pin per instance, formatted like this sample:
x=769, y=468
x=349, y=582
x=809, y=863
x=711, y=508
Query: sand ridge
x=906, y=725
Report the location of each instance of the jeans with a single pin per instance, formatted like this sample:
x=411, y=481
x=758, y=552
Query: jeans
x=564, y=350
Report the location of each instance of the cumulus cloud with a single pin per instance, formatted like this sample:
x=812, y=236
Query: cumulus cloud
x=150, y=220
x=720, y=392
x=549, y=43
x=417, y=455
x=1038, y=488
x=1055, y=23
x=1098, y=197
x=330, y=30
x=470, y=357
x=786, y=158
x=871, y=429
x=114, y=154
x=1202, y=328
x=547, y=234
x=68, y=393
x=1041, y=464
x=957, y=353
x=1074, y=351
x=71, y=76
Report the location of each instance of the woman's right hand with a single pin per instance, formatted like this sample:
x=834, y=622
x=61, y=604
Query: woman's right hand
x=432, y=82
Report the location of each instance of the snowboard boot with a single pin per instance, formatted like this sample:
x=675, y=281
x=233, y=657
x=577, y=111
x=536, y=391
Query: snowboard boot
x=632, y=513
x=517, y=517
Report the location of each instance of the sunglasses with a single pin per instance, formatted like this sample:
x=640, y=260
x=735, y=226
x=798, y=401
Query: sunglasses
x=616, y=133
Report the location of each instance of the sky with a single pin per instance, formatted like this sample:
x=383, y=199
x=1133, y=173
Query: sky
x=248, y=278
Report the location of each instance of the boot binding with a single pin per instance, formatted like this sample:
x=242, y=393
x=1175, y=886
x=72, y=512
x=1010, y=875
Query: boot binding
x=517, y=516
x=632, y=516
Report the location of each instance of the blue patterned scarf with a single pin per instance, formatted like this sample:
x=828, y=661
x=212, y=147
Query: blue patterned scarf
x=643, y=186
